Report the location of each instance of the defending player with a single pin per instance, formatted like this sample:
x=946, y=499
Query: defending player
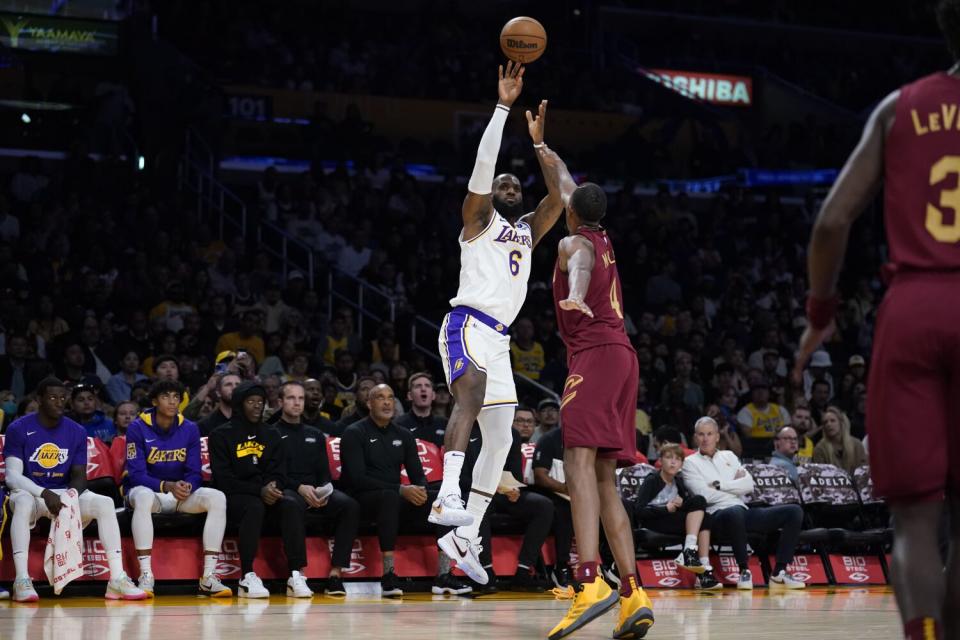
x=163, y=476
x=46, y=454
x=495, y=248
x=912, y=143
x=597, y=409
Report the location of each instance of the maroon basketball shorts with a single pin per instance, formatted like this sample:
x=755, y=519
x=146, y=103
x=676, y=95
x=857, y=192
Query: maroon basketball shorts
x=913, y=394
x=599, y=404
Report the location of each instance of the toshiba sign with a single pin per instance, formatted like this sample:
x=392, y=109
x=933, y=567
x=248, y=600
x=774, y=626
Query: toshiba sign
x=716, y=88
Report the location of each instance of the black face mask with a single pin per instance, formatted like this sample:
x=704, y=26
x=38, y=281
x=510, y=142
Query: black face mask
x=511, y=212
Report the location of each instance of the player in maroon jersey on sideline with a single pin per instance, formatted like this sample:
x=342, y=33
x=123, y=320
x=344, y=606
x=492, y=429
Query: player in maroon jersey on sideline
x=597, y=409
x=912, y=143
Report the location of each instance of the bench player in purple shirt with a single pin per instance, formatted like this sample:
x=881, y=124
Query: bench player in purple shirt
x=163, y=476
x=46, y=454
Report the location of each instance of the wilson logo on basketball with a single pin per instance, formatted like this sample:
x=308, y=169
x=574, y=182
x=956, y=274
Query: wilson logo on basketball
x=520, y=44
x=48, y=455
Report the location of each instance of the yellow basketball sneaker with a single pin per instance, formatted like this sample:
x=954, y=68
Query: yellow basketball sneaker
x=592, y=601
x=636, y=613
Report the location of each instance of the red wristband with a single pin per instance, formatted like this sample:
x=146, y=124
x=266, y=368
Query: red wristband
x=820, y=311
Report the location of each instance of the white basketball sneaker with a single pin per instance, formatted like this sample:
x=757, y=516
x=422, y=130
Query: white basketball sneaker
x=449, y=511
x=465, y=553
x=297, y=586
x=252, y=587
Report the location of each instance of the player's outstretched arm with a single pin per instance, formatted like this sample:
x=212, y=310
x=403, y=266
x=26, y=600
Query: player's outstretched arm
x=548, y=211
x=477, y=206
x=576, y=258
x=851, y=193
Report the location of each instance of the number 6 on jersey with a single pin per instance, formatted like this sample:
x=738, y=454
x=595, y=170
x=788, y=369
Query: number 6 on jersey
x=515, y=262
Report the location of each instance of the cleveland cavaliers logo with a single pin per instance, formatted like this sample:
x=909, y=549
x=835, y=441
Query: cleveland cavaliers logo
x=568, y=389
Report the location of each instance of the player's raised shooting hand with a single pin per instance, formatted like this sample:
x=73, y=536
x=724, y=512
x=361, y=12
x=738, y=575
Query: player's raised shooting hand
x=536, y=124
x=511, y=83
x=576, y=304
x=810, y=341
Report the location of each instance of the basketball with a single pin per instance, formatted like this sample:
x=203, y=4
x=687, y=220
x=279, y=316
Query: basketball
x=523, y=39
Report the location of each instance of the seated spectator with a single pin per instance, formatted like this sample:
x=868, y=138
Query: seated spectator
x=534, y=510
x=174, y=308
x=372, y=453
x=45, y=455
x=247, y=461
x=526, y=354
x=163, y=476
x=722, y=481
x=166, y=367
x=271, y=384
x=328, y=405
x=548, y=418
x=247, y=338
x=729, y=438
x=308, y=473
x=385, y=348
x=18, y=371
x=313, y=413
x=85, y=409
x=525, y=422
x=663, y=436
x=443, y=404
x=123, y=416
x=356, y=410
x=759, y=420
x=785, y=452
x=818, y=370
x=420, y=420
x=46, y=324
x=346, y=377
x=338, y=338
x=806, y=429
x=73, y=366
x=837, y=446
x=226, y=384
x=121, y=384
x=547, y=468
x=692, y=393
x=664, y=504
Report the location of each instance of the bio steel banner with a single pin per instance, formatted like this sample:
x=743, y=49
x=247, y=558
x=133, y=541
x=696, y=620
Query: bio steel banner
x=715, y=88
x=58, y=35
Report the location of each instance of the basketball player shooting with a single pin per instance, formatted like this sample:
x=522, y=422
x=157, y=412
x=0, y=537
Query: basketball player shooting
x=911, y=142
x=495, y=248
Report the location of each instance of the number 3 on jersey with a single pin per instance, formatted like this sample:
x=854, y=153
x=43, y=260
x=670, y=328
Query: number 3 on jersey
x=949, y=199
x=515, y=262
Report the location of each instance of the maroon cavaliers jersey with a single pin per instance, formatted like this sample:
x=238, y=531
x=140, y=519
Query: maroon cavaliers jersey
x=922, y=169
x=578, y=330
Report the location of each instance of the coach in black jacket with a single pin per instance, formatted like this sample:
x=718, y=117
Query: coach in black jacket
x=308, y=473
x=247, y=464
x=372, y=452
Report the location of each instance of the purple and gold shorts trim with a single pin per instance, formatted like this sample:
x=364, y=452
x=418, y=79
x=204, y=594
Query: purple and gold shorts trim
x=457, y=345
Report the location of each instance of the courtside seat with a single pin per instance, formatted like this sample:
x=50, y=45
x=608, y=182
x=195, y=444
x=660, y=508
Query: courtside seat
x=830, y=499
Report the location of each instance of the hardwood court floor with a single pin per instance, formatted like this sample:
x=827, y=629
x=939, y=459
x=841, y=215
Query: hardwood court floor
x=821, y=613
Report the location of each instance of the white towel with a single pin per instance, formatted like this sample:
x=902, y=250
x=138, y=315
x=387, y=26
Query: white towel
x=63, y=557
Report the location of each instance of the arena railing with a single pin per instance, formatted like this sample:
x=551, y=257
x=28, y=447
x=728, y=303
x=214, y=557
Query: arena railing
x=366, y=299
x=215, y=202
x=293, y=253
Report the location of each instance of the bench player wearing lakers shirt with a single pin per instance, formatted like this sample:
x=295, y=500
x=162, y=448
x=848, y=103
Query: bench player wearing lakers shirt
x=495, y=249
x=46, y=454
x=164, y=476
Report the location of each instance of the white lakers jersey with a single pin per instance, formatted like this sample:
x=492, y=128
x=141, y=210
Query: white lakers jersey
x=494, y=269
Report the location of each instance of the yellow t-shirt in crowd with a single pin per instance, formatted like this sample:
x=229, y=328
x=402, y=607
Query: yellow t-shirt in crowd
x=530, y=362
x=762, y=424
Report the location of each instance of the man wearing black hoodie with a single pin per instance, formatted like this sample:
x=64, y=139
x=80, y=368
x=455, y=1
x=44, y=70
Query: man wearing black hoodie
x=247, y=463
